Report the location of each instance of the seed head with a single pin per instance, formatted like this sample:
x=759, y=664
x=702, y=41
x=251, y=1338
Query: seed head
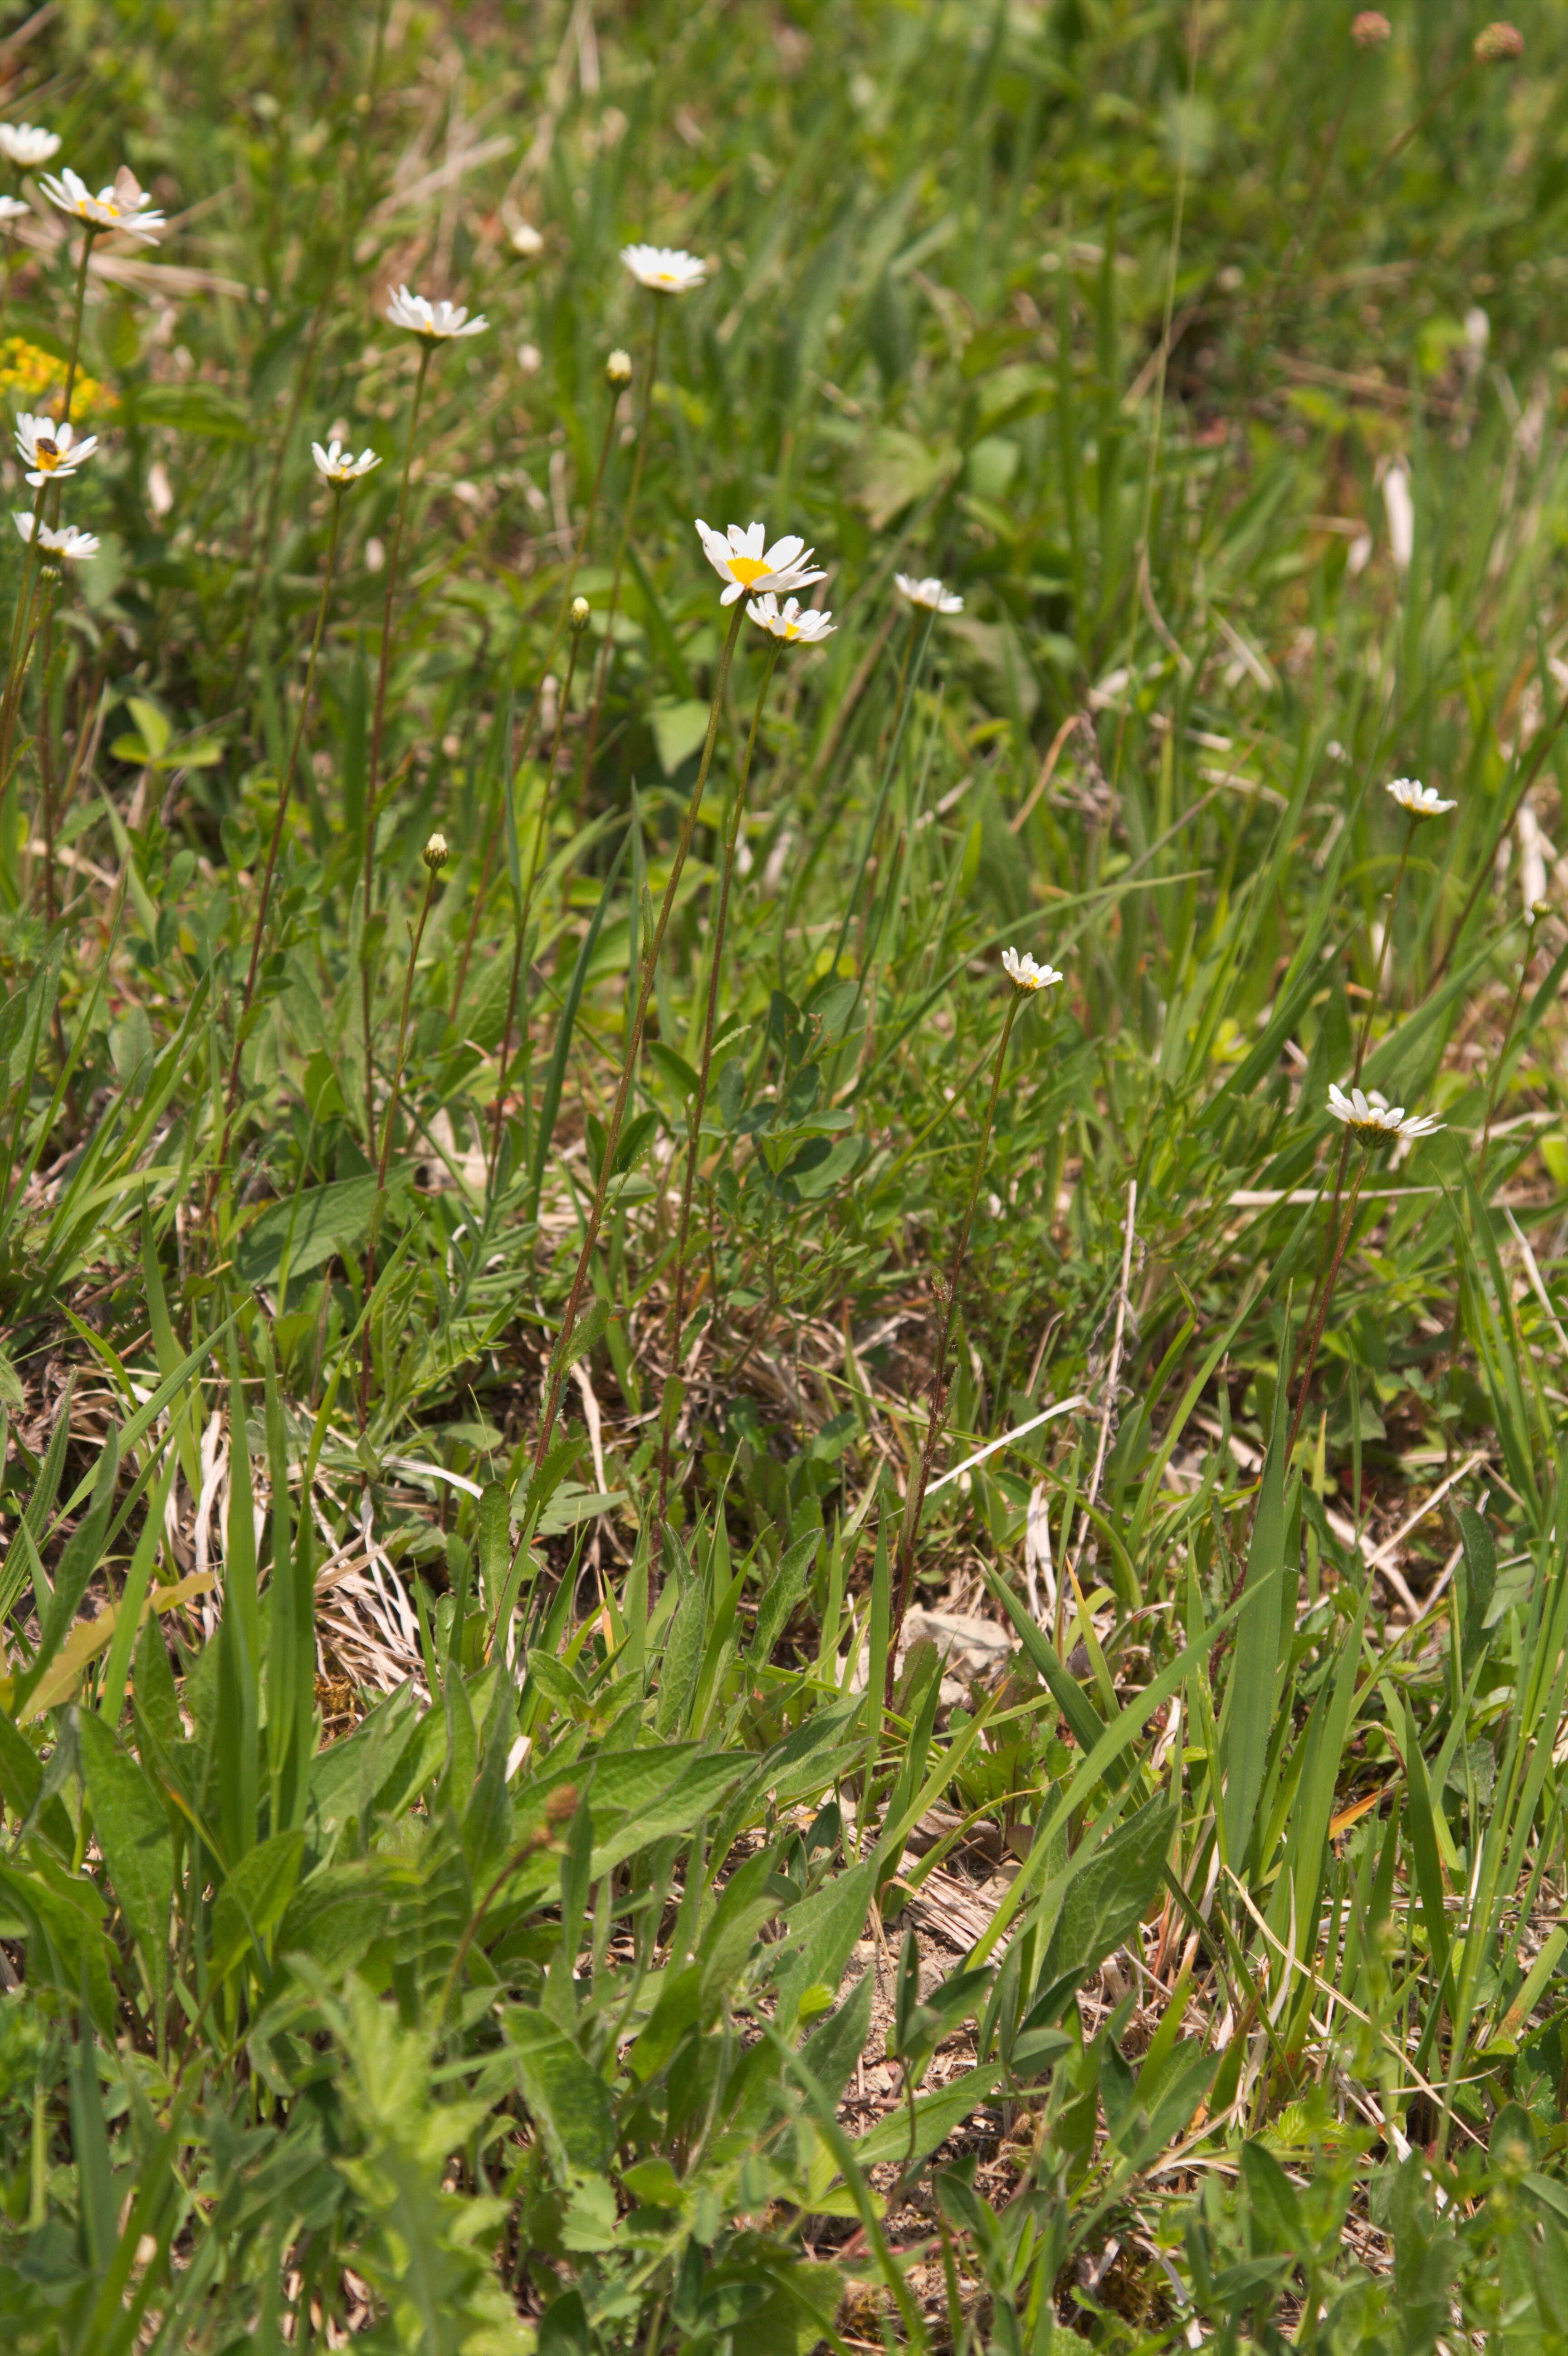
x=579, y=615
x=1370, y=29
x=1499, y=45
x=618, y=369
x=436, y=854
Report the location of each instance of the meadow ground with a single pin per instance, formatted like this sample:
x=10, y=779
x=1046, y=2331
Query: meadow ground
x=728, y=1628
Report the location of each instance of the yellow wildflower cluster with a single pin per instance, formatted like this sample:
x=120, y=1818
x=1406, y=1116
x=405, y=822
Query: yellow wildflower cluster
x=35, y=380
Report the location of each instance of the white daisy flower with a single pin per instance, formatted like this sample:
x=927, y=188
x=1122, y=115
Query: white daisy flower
x=436, y=323
x=1418, y=800
x=48, y=450
x=742, y=559
x=663, y=268
x=23, y=145
x=792, y=622
x=124, y=204
x=928, y=592
x=1372, y=1120
x=337, y=464
x=1025, y=974
x=66, y=542
x=12, y=207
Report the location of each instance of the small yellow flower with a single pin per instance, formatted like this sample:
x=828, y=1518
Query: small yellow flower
x=35, y=380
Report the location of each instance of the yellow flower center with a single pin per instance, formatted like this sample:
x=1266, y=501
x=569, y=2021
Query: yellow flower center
x=747, y=568
x=47, y=453
x=792, y=630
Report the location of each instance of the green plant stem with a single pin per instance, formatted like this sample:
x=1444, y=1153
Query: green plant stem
x=699, y=1096
x=629, y=519
x=1498, y=1063
x=1397, y=145
x=385, y=1155
x=433, y=877
x=1451, y=1355
x=1340, y=1245
x=525, y=906
x=88, y=236
x=1362, y=1042
x=633, y=1044
x=373, y=769
x=915, y=1501
x=909, y=681
x=579, y=551
x=24, y=629
x=263, y=906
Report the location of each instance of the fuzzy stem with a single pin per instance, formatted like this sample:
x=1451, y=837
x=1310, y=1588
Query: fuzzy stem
x=633, y=1044
x=915, y=1500
x=525, y=906
x=699, y=1100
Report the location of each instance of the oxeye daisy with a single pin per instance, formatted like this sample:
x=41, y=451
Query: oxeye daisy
x=27, y=146
x=337, y=464
x=929, y=593
x=435, y=323
x=1417, y=800
x=1025, y=974
x=124, y=204
x=50, y=451
x=1372, y=1120
x=743, y=560
x=664, y=269
x=12, y=209
x=792, y=622
x=67, y=542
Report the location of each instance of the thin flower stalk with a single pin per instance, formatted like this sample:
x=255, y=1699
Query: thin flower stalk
x=903, y=1573
x=263, y=906
x=909, y=681
x=524, y=904
x=580, y=549
x=699, y=1098
x=1323, y=1281
x=24, y=625
x=1320, y=1313
x=558, y=1364
x=373, y=765
x=628, y=519
x=435, y=858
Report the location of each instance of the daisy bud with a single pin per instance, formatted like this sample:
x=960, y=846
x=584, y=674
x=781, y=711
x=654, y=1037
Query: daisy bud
x=618, y=369
x=527, y=241
x=579, y=616
x=436, y=854
x=1370, y=29
x=1499, y=45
